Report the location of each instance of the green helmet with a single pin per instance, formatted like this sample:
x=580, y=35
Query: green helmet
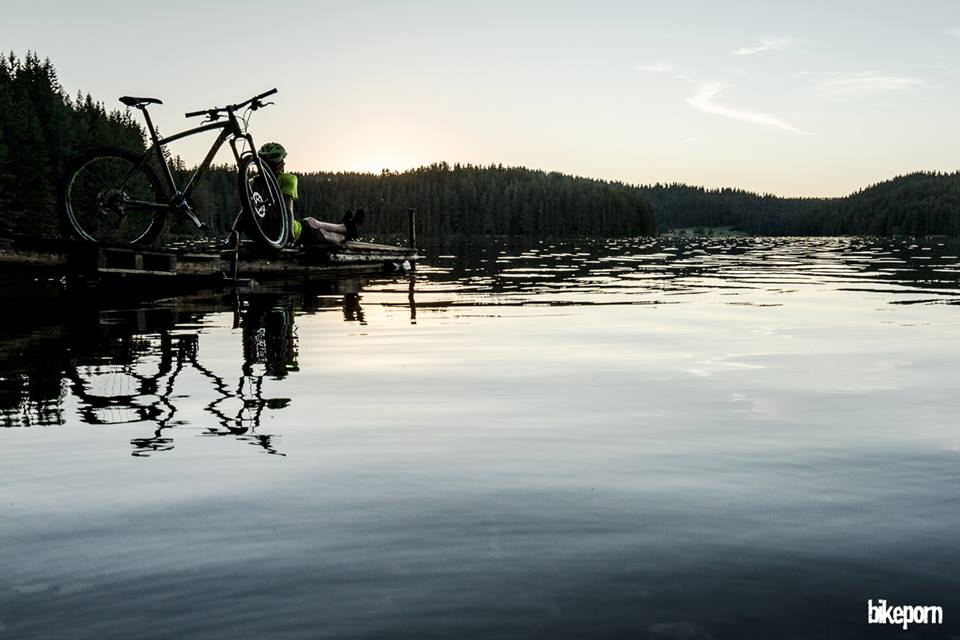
x=273, y=152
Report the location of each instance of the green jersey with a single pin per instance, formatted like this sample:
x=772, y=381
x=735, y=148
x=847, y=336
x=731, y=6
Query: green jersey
x=288, y=185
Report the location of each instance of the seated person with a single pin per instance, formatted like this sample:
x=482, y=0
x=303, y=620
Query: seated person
x=311, y=231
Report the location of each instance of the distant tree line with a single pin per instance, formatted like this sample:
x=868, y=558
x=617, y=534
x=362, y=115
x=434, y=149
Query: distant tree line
x=915, y=204
x=474, y=200
x=681, y=206
x=41, y=130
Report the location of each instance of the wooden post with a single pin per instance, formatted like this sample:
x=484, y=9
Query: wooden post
x=413, y=302
x=412, y=213
x=234, y=254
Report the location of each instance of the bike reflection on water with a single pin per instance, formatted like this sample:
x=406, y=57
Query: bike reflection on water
x=237, y=409
x=122, y=367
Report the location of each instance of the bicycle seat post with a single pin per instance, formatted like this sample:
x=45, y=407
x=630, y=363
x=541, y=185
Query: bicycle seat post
x=150, y=127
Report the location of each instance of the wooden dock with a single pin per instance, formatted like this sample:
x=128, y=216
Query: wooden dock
x=200, y=264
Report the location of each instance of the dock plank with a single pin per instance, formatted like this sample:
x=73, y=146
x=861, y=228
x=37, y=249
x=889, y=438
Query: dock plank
x=200, y=263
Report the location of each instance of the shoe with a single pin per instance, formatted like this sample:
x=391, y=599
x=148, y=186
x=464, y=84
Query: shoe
x=347, y=221
x=351, y=221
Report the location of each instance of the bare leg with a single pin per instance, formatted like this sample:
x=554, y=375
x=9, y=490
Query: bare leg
x=325, y=226
x=332, y=233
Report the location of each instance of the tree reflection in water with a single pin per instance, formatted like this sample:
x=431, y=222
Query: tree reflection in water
x=122, y=367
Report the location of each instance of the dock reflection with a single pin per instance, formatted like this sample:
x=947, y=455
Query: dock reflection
x=105, y=366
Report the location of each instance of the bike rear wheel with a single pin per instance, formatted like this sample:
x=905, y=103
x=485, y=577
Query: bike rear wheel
x=111, y=196
x=263, y=205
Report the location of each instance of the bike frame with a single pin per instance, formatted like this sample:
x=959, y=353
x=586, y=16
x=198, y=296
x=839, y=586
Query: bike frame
x=230, y=131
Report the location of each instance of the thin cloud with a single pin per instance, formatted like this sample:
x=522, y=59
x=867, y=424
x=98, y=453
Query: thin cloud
x=704, y=100
x=765, y=45
x=954, y=31
x=666, y=68
x=660, y=67
x=869, y=82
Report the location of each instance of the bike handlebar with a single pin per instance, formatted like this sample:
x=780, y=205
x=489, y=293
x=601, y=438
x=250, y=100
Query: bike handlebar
x=255, y=101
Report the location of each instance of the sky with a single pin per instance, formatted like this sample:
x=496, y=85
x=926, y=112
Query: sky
x=794, y=98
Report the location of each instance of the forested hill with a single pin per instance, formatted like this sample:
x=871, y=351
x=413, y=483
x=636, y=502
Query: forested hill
x=916, y=204
x=473, y=200
x=41, y=130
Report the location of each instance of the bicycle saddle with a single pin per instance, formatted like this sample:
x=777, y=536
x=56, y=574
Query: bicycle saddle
x=138, y=102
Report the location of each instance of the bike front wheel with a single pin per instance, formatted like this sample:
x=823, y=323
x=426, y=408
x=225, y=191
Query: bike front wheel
x=263, y=205
x=111, y=196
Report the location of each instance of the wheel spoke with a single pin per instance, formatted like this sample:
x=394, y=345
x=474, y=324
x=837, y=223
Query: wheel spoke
x=112, y=198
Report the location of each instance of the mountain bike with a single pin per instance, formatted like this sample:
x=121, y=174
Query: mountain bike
x=112, y=195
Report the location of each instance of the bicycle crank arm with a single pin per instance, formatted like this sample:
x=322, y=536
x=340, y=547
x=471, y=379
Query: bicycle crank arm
x=187, y=210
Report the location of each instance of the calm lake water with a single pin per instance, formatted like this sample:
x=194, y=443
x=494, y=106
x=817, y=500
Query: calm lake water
x=717, y=438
